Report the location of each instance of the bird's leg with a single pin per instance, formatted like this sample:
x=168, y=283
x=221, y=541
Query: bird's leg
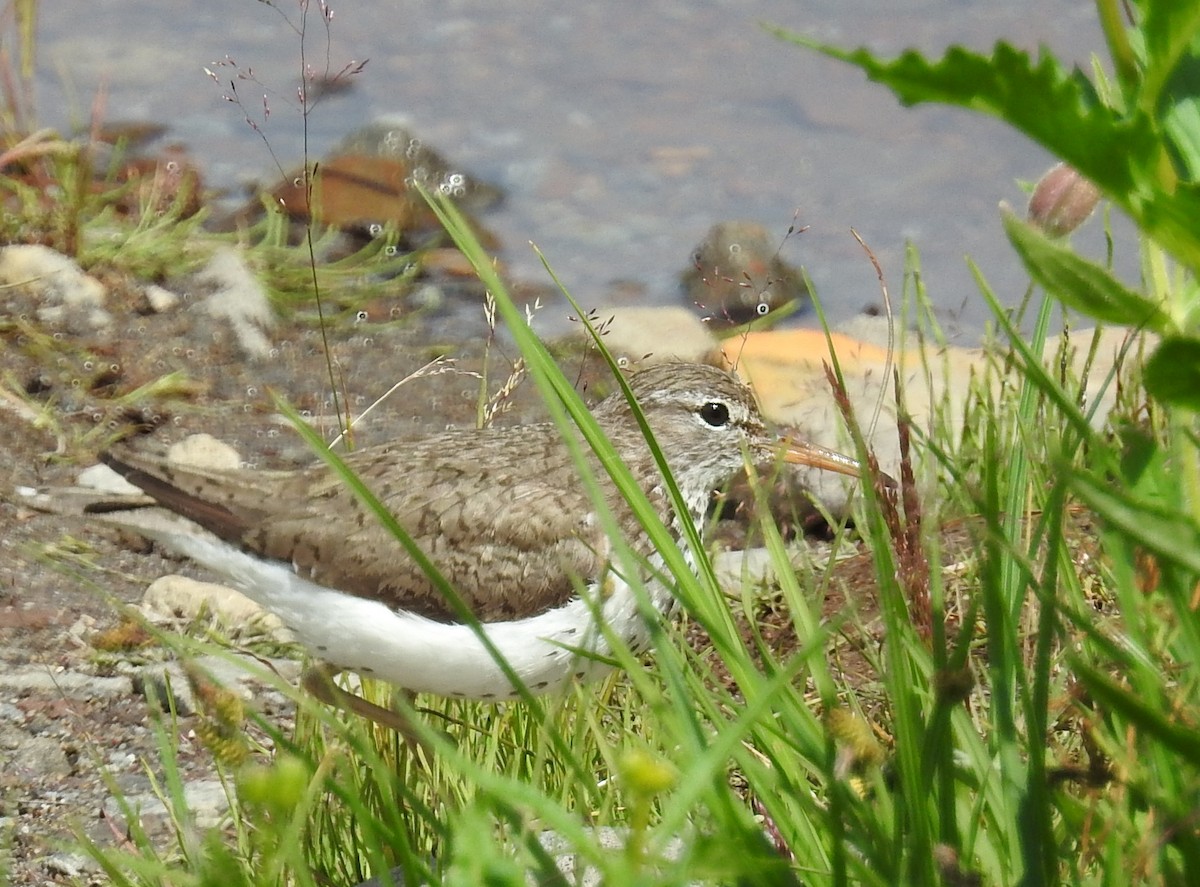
x=318, y=680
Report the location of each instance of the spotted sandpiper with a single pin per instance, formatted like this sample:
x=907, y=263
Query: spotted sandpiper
x=503, y=515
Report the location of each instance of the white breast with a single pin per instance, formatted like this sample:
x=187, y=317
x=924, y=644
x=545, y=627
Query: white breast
x=419, y=654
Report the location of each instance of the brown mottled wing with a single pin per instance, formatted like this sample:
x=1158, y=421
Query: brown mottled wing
x=223, y=502
x=510, y=528
x=511, y=533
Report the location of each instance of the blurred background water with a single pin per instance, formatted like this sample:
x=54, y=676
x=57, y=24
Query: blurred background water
x=620, y=130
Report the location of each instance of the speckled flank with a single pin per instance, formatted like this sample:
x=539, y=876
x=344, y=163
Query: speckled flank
x=420, y=654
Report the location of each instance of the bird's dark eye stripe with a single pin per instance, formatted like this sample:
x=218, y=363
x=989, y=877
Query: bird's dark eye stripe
x=715, y=413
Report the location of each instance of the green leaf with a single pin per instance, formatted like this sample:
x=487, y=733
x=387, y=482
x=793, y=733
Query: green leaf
x=1170, y=29
x=1142, y=462
x=1172, y=374
x=1079, y=283
x=1183, y=740
x=1182, y=124
x=1170, y=218
x=1124, y=155
x=1171, y=91
x=1058, y=109
x=1163, y=531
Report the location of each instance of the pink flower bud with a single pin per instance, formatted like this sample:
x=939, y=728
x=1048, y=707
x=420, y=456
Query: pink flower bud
x=1062, y=201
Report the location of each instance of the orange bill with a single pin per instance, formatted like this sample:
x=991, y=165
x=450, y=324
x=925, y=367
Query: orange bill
x=800, y=452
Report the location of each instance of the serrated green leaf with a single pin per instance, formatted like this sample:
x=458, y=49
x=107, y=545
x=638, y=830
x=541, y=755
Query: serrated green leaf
x=1172, y=374
x=1059, y=109
x=1079, y=283
x=1124, y=155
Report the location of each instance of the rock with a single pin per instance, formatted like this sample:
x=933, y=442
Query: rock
x=80, y=628
x=737, y=274
x=576, y=869
x=33, y=678
x=69, y=865
x=245, y=675
x=428, y=297
x=103, y=479
x=393, y=139
x=160, y=299
x=35, y=756
x=365, y=185
x=206, y=801
x=652, y=335
x=178, y=597
x=873, y=329
x=737, y=570
x=786, y=369
x=166, y=683
x=357, y=191
x=204, y=451
x=65, y=295
x=248, y=672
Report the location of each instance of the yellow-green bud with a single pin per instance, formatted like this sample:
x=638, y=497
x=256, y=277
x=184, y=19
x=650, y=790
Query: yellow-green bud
x=278, y=788
x=646, y=774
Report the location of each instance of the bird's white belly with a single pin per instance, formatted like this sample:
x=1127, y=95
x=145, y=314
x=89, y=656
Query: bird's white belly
x=421, y=654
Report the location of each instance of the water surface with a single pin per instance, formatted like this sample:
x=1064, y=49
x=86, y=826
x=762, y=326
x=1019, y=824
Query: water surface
x=620, y=130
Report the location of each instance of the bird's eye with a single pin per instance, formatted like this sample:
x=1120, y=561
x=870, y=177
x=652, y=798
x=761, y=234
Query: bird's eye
x=715, y=413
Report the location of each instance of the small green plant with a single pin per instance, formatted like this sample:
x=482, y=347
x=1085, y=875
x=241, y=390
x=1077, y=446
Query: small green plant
x=1129, y=805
